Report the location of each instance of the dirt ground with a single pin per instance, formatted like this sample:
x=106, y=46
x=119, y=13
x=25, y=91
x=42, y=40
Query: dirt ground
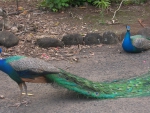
x=106, y=64
x=97, y=63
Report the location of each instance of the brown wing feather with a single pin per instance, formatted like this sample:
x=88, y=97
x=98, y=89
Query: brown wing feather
x=40, y=79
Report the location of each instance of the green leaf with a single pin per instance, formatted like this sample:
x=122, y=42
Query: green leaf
x=64, y=1
x=56, y=1
x=54, y=10
x=66, y=5
x=59, y=6
x=51, y=6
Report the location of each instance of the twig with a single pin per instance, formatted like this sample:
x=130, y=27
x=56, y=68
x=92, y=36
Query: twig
x=140, y=22
x=116, y=11
x=19, y=12
x=14, y=13
x=17, y=6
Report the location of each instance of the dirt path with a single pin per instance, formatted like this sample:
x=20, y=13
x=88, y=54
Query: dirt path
x=106, y=64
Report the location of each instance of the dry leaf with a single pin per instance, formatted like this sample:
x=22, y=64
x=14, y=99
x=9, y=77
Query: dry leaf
x=20, y=8
x=24, y=12
x=2, y=97
x=75, y=59
x=92, y=54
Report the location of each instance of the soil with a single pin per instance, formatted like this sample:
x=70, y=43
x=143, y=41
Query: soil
x=97, y=62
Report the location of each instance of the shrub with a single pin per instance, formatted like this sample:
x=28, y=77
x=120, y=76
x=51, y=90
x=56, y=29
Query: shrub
x=56, y=5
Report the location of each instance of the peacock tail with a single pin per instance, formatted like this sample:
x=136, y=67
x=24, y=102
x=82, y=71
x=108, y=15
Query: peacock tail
x=135, y=87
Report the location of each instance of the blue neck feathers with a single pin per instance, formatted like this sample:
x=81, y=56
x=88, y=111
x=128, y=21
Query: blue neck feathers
x=6, y=68
x=127, y=43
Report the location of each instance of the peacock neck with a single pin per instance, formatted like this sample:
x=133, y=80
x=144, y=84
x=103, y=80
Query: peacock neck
x=128, y=37
x=6, y=68
x=3, y=66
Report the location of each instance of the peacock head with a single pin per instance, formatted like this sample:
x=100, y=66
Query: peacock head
x=128, y=28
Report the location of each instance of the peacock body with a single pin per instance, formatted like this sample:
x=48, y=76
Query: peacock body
x=136, y=43
x=25, y=69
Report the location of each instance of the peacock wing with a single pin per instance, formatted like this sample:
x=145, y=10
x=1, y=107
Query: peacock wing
x=32, y=64
x=140, y=42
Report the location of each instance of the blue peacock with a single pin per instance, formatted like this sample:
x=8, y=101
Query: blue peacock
x=26, y=69
x=136, y=43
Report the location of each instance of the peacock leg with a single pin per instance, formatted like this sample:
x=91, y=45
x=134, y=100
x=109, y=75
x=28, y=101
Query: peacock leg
x=25, y=88
x=26, y=94
x=21, y=89
x=20, y=98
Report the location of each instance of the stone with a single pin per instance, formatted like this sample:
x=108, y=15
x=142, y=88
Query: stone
x=46, y=42
x=8, y=39
x=3, y=13
x=109, y=38
x=1, y=25
x=92, y=38
x=145, y=32
x=72, y=39
x=5, y=24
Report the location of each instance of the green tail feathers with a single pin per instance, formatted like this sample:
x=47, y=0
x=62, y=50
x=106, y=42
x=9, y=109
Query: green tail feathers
x=135, y=87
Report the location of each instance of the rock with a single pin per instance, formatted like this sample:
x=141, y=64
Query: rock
x=48, y=42
x=92, y=38
x=8, y=39
x=5, y=24
x=145, y=32
x=72, y=39
x=3, y=13
x=109, y=38
x=1, y=25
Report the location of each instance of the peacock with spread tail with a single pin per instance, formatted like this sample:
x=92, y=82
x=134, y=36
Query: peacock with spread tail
x=136, y=43
x=26, y=69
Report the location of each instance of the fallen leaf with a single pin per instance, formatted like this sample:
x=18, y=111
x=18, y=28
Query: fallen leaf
x=20, y=8
x=24, y=12
x=92, y=54
x=2, y=97
x=75, y=59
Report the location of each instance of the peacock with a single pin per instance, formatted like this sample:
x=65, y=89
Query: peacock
x=27, y=69
x=136, y=43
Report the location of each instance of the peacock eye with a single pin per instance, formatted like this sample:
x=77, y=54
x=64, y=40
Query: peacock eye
x=67, y=78
x=97, y=93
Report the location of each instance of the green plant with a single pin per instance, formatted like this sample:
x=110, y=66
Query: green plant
x=55, y=5
x=80, y=2
x=77, y=2
x=103, y=4
x=139, y=1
